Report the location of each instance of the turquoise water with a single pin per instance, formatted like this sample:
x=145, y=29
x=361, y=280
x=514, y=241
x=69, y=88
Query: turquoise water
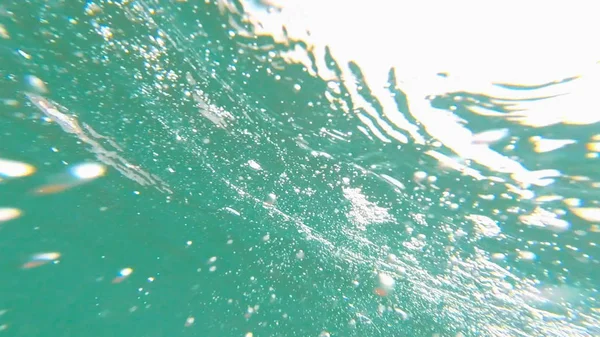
x=238, y=188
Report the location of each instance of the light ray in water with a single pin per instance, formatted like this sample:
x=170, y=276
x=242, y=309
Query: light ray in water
x=86, y=134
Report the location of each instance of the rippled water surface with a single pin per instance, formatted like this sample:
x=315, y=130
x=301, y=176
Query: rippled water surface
x=299, y=168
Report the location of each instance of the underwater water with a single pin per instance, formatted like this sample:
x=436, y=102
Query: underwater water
x=299, y=168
